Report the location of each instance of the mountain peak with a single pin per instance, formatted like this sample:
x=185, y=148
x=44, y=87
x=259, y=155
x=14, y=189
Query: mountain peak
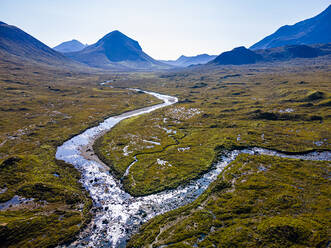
x=119, y=47
x=114, y=34
x=115, y=49
x=238, y=56
x=69, y=46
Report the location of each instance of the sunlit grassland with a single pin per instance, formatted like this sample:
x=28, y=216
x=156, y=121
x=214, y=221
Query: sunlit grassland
x=282, y=107
x=258, y=201
x=39, y=110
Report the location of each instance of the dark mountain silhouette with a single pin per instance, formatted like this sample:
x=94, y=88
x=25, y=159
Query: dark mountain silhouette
x=116, y=50
x=70, y=46
x=16, y=45
x=311, y=31
x=290, y=52
x=238, y=56
x=184, y=61
x=242, y=55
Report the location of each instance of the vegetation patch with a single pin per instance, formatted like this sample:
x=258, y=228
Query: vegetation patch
x=35, y=117
x=285, y=205
x=258, y=109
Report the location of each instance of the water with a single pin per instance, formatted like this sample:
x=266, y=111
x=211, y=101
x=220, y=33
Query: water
x=118, y=214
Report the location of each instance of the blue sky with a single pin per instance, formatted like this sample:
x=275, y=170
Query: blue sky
x=165, y=29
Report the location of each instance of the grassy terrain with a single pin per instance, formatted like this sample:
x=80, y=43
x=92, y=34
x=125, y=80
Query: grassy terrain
x=282, y=106
x=39, y=110
x=258, y=201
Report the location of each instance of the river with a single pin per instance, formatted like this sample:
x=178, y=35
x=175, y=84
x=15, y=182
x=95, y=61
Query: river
x=117, y=214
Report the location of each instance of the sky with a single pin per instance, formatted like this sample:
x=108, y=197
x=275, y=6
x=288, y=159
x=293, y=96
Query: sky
x=165, y=29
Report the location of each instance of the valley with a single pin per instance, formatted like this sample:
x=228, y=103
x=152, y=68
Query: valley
x=103, y=145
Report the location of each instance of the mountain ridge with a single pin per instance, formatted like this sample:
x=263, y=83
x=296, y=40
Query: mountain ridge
x=310, y=31
x=184, y=61
x=243, y=56
x=19, y=46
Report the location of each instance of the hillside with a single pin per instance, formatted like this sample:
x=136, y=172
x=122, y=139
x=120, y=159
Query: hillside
x=237, y=56
x=242, y=55
x=18, y=46
x=311, y=31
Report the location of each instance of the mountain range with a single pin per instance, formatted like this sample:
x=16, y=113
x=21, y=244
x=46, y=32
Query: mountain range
x=242, y=55
x=311, y=31
x=70, y=46
x=116, y=51
x=184, y=61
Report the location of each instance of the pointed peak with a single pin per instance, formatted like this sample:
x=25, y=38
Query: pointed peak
x=115, y=33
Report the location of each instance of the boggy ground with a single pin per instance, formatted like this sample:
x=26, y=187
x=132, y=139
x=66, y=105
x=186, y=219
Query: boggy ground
x=258, y=201
x=39, y=110
x=281, y=106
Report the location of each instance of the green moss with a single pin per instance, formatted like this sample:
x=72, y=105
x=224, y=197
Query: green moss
x=286, y=207
x=267, y=114
x=31, y=127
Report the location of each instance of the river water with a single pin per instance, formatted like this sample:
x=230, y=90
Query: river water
x=117, y=214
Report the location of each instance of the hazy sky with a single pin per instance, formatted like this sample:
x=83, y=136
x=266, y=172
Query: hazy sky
x=165, y=29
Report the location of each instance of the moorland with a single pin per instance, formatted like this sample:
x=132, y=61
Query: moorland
x=39, y=110
x=277, y=98
x=285, y=107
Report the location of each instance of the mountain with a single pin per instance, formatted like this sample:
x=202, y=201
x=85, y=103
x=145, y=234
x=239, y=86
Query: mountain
x=293, y=52
x=311, y=31
x=242, y=55
x=18, y=46
x=237, y=56
x=116, y=51
x=69, y=46
x=184, y=61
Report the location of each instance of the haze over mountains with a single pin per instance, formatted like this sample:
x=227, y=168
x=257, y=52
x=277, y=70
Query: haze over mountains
x=116, y=50
x=184, y=61
x=311, y=31
x=70, y=46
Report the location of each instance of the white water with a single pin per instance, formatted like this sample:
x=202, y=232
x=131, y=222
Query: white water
x=118, y=214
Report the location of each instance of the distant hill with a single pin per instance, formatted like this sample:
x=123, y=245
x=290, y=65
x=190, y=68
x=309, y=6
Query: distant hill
x=311, y=31
x=116, y=51
x=70, y=46
x=237, y=56
x=16, y=45
x=184, y=61
x=242, y=55
x=293, y=51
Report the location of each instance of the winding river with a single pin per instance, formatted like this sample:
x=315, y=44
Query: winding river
x=117, y=214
